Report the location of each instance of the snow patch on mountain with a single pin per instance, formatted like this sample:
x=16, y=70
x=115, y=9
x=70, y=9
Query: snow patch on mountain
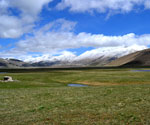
x=70, y=57
x=110, y=52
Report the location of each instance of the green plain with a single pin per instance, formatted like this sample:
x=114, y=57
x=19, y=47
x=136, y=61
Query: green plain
x=114, y=96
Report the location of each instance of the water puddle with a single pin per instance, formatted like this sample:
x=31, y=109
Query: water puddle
x=77, y=85
x=140, y=70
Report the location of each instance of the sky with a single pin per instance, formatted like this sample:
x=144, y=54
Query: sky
x=47, y=29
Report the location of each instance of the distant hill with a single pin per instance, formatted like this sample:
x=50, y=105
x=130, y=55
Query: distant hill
x=11, y=63
x=140, y=58
x=14, y=63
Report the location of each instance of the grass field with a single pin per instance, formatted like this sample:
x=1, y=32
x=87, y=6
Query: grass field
x=114, y=96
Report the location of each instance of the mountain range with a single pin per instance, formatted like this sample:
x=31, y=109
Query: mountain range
x=131, y=57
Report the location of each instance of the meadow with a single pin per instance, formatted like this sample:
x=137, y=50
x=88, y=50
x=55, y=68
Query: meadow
x=113, y=96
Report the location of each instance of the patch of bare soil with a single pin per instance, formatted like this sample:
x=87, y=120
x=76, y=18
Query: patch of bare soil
x=97, y=83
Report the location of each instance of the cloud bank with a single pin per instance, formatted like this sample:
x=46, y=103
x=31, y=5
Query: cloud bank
x=58, y=35
x=103, y=6
x=18, y=17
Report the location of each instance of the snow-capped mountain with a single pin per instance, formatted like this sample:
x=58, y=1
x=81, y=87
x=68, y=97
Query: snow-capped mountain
x=95, y=57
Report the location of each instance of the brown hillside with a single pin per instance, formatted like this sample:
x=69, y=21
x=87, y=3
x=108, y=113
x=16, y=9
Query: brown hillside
x=140, y=58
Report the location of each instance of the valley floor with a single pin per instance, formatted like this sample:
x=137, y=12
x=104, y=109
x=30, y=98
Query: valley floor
x=114, y=96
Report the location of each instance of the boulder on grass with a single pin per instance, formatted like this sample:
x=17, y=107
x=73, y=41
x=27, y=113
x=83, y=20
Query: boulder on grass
x=8, y=79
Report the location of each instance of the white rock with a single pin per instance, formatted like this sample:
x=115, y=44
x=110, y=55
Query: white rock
x=8, y=79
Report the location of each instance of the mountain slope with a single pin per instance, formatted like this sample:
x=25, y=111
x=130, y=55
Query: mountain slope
x=97, y=57
x=140, y=58
x=11, y=63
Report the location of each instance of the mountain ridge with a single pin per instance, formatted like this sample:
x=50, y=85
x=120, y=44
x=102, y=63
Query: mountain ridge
x=138, y=58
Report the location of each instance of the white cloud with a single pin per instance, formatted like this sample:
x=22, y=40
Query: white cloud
x=59, y=25
x=12, y=27
x=29, y=7
x=57, y=36
x=52, y=38
x=102, y=6
x=147, y=4
x=15, y=25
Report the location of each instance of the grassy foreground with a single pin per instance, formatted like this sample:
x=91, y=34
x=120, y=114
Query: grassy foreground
x=114, y=96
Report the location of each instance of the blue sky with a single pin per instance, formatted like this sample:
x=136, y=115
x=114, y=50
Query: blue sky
x=35, y=28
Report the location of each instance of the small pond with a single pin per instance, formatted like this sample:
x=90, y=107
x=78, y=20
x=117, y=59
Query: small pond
x=77, y=85
x=140, y=70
